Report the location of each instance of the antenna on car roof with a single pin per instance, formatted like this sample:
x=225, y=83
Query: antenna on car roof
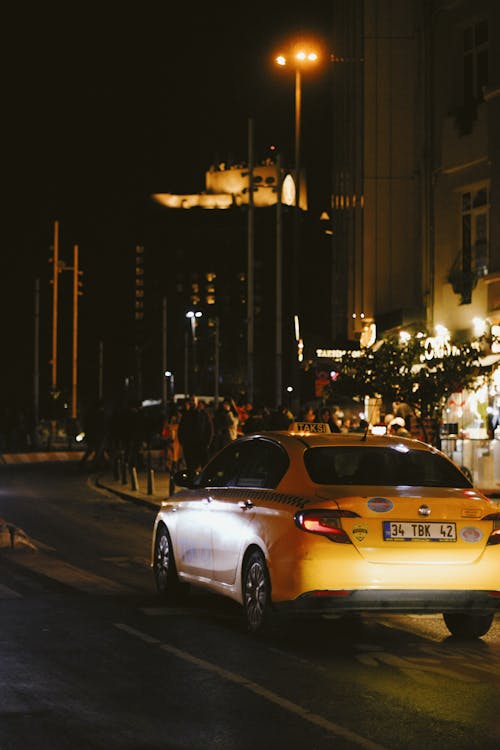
x=368, y=424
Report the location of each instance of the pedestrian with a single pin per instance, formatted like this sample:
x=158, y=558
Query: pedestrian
x=133, y=432
x=95, y=427
x=207, y=429
x=397, y=427
x=257, y=421
x=244, y=412
x=309, y=415
x=170, y=439
x=225, y=425
x=280, y=418
x=404, y=410
x=326, y=417
x=195, y=435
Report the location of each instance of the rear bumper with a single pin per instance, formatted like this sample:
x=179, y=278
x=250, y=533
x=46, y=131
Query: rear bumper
x=396, y=601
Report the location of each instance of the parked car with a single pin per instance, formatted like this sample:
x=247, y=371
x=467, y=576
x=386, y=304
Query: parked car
x=308, y=522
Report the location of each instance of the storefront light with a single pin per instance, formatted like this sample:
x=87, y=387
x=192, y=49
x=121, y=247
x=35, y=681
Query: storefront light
x=442, y=332
x=479, y=327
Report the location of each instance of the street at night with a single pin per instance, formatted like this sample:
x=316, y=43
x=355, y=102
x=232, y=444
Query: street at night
x=92, y=658
x=250, y=298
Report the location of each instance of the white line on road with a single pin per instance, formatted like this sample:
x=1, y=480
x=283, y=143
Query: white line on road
x=263, y=692
x=82, y=580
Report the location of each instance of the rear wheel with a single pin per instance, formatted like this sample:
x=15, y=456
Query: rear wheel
x=256, y=593
x=165, y=573
x=466, y=625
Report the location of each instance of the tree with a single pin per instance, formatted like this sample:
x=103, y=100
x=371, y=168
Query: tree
x=421, y=370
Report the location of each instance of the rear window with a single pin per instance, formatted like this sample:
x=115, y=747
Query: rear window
x=382, y=466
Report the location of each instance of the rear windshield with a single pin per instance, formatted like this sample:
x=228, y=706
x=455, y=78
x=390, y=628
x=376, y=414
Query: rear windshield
x=382, y=466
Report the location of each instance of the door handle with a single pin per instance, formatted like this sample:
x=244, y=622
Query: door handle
x=246, y=505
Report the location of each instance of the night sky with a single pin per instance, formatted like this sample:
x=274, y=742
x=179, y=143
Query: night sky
x=102, y=109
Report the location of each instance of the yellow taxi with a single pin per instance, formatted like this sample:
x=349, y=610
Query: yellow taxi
x=309, y=522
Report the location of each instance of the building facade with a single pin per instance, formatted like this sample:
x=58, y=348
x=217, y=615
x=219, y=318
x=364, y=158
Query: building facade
x=416, y=199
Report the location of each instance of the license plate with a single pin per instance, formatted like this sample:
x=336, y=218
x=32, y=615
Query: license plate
x=419, y=531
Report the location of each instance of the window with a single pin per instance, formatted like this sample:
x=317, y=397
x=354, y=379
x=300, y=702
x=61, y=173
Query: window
x=246, y=463
x=381, y=466
x=475, y=48
x=475, y=234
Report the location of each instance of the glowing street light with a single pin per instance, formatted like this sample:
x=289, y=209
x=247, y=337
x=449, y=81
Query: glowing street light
x=301, y=58
x=192, y=315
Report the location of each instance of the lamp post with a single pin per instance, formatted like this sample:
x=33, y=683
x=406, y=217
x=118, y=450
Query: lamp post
x=192, y=316
x=168, y=376
x=299, y=59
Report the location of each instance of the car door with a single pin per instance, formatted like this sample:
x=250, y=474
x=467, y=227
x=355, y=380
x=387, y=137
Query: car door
x=258, y=464
x=193, y=538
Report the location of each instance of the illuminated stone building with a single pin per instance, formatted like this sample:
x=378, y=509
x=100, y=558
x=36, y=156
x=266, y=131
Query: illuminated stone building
x=199, y=251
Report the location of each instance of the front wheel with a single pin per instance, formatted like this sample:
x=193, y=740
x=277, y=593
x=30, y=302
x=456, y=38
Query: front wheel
x=165, y=573
x=466, y=625
x=256, y=593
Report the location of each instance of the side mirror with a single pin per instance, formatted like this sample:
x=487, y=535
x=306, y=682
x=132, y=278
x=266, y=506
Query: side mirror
x=184, y=479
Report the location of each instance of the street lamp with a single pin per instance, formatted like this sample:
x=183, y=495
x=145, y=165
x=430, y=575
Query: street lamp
x=169, y=380
x=301, y=58
x=191, y=315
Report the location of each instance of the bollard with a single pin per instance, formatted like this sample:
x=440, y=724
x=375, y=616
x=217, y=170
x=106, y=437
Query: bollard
x=150, y=474
x=123, y=467
x=116, y=468
x=134, y=482
x=151, y=482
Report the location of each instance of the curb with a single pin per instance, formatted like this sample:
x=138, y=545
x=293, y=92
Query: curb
x=136, y=497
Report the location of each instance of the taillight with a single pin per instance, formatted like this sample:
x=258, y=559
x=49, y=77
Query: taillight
x=495, y=534
x=325, y=522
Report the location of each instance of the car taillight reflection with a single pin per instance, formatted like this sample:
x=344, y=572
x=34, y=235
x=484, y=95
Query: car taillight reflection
x=495, y=534
x=325, y=522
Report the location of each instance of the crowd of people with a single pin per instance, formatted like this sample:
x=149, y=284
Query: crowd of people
x=194, y=430
x=191, y=432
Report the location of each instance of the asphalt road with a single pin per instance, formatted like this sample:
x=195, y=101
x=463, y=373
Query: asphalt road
x=91, y=659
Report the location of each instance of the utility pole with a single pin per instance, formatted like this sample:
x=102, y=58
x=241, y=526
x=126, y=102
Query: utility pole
x=186, y=363
x=36, y=356
x=279, y=286
x=216, y=363
x=55, y=301
x=164, y=384
x=250, y=267
x=76, y=293
x=100, y=389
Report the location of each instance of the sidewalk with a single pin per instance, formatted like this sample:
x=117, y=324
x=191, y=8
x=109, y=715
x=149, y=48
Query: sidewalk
x=143, y=487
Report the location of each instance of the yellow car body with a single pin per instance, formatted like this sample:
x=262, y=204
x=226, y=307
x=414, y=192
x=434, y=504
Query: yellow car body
x=334, y=523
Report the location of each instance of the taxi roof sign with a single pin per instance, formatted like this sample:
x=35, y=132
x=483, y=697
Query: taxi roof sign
x=309, y=427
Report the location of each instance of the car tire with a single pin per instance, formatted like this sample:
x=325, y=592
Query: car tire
x=257, y=593
x=165, y=573
x=465, y=625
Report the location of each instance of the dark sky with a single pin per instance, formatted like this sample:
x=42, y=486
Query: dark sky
x=106, y=106
x=103, y=107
